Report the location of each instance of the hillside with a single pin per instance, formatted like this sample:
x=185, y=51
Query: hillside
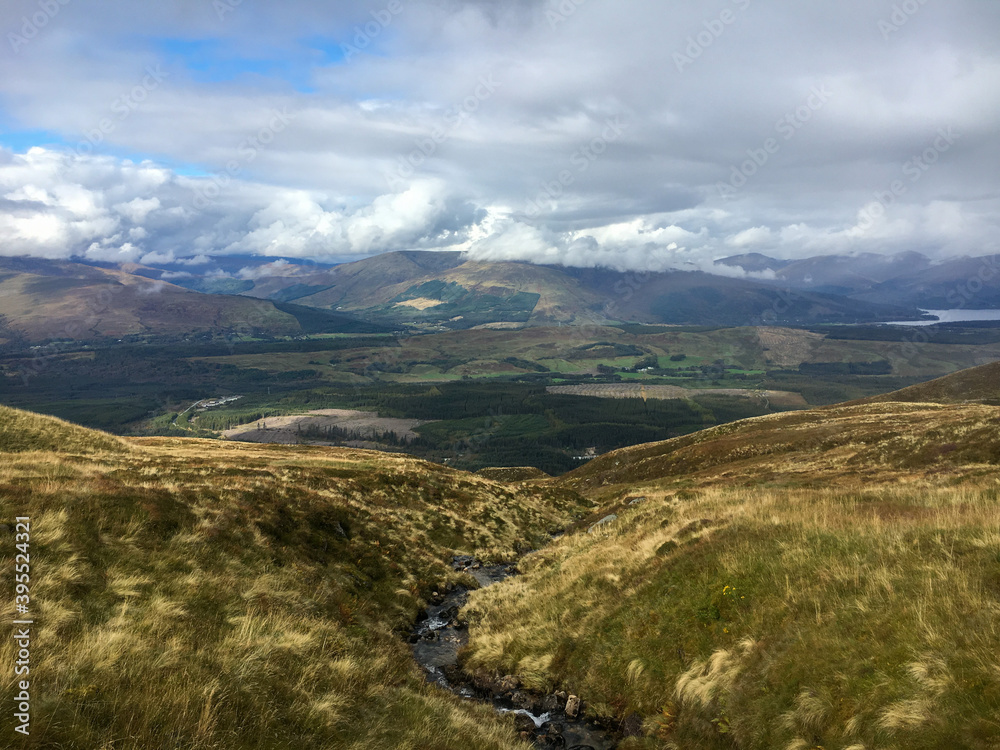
x=699, y=298
x=836, y=445
x=839, y=274
x=979, y=384
x=23, y=432
x=54, y=300
x=825, y=578
x=202, y=594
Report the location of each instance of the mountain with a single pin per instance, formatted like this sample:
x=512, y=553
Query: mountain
x=699, y=298
x=192, y=593
x=962, y=283
x=753, y=262
x=835, y=274
x=347, y=283
x=44, y=300
x=449, y=290
x=825, y=578
x=908, y=279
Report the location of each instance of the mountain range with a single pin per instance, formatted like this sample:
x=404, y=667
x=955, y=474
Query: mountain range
x=45, y=300
x=450, y=290
x=908, y=278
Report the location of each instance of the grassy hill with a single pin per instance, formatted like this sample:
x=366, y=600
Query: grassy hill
x=22, y=432
x=980, y=384
x=846, y=444
x=821, y=579
x=201, y=594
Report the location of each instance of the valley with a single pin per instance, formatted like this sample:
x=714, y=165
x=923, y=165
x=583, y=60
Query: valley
x=479, y=398
x=822, y=577
x=500, y=375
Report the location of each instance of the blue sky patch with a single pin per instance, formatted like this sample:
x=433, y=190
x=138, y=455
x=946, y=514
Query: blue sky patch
x=217, y=61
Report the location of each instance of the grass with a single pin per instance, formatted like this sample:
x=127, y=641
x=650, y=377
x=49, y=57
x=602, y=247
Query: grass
x=22, y=432
x=199, y=594
x=826, y=579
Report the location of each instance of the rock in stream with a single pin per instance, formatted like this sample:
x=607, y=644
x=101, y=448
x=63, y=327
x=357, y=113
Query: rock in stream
x=548, y=720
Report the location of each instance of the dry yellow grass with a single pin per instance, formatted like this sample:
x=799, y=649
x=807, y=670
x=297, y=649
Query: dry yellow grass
x=202, y=594
x=821, y=579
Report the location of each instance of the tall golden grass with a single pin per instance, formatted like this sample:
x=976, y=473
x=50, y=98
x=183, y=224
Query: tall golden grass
x=198, y=594
x=811, y=584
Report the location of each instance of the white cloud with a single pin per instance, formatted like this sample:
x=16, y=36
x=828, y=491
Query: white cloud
x=753, y=237
x=137, y=209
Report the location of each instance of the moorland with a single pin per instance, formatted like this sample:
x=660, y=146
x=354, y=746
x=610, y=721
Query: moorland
x=816, y=578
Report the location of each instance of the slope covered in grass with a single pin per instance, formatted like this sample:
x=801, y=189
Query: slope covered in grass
x=23, y=431
x=980, y=384
x=844, y=444
x=825, y=579
x=198, y=594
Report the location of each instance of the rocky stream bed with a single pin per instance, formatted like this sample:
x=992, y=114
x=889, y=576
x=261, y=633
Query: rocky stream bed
x=553, y=720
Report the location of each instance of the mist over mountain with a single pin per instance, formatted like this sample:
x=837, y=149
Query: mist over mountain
x=457, y=291
x=909, y=278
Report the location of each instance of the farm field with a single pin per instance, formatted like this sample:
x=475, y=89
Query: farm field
x=668, y=392
x=497, y=397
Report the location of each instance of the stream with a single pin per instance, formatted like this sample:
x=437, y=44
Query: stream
x=437, y=640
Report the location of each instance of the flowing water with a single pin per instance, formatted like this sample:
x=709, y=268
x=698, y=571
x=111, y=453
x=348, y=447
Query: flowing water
x=439, y=637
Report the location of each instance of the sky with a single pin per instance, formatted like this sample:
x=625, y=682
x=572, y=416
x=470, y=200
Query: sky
x=633, y=134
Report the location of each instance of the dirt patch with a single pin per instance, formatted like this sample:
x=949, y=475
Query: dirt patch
x=302, y=428
x=421, y=303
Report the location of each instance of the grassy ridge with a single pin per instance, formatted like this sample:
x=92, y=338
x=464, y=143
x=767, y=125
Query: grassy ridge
x=198, y=594
x=22, y=432
x=825, y=579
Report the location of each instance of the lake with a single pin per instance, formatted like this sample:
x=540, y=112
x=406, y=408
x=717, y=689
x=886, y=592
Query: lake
x=950, y=316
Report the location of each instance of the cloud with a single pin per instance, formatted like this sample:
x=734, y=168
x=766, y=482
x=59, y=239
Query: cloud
x=138, y=209
x=127, y=155
x=753, y=237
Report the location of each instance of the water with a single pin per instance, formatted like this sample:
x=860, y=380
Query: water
x=950, y=316
x=439, y=637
